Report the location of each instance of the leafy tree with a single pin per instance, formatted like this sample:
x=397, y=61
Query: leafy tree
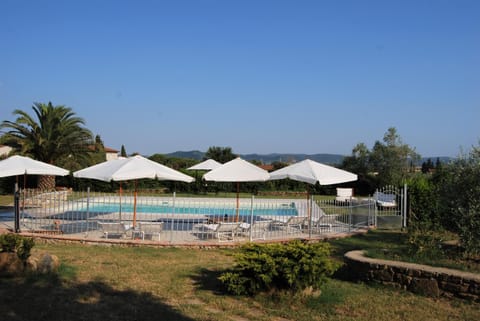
x=427, y=166
x=459, y=195
x=220, y=154
x=277, y=165
x=97, y=152
x=391, y=158
x=359, y=161
x=54, y=135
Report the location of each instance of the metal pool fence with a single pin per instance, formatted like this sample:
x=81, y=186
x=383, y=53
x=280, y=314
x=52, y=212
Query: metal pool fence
x=177, y=220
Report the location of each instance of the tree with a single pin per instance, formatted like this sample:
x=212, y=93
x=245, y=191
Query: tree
x=459, y=195
x=54, y=135
x=359, y=161
x=123, y=152
x=220, y=154
x=391, y=158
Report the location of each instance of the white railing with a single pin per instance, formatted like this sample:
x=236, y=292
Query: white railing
x=78, y=214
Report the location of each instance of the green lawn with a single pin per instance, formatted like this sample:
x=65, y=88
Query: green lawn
x=120, y=283
x=6, y=200
x=392, y=245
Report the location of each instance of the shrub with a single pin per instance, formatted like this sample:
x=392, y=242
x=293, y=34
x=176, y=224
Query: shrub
x=294, y=266
x=423, y=201
x=424, y=241
x=14, y=243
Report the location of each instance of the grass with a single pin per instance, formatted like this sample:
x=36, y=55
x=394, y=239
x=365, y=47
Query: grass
x=392, y=245
x=6, y=200
x=120, y=283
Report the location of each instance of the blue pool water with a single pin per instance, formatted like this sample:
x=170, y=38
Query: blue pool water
x=167, y=209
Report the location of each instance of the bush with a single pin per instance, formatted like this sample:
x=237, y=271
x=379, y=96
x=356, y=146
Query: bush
x=423, y=201
x=424, y=241
x=294, y=266
x=14, y=243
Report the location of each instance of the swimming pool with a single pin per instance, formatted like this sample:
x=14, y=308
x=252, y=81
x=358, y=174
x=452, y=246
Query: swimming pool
x=277, y=210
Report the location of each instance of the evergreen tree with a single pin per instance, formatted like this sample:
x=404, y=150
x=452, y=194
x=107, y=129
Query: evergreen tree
x=123, y=152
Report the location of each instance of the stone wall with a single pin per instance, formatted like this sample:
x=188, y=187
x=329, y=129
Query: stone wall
x=417, y=278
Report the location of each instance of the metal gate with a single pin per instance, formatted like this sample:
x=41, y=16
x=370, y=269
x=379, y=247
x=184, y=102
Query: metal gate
x=391, y=207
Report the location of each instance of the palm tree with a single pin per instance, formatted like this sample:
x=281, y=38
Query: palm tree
x=55, y=135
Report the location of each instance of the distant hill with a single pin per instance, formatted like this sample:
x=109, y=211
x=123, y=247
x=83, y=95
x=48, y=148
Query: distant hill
x=288, y=158
x=194, y=154
x=268, y=158
x=333, y=159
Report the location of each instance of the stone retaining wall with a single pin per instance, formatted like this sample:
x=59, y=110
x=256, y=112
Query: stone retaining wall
x=417, y=278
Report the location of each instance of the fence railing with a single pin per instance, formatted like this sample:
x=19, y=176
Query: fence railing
x=169, y=218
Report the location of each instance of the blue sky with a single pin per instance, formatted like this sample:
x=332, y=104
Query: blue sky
x=258, y=76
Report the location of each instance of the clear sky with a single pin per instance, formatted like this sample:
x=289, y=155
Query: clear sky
x=258, y=76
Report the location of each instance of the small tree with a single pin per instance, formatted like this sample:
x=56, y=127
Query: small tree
x=459, y=194
x=391, y=158
x=220, y=154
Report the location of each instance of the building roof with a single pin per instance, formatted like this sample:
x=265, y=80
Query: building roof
x=107, y=149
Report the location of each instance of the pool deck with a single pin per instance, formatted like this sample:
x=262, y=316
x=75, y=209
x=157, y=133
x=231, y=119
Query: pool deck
x=175, y=238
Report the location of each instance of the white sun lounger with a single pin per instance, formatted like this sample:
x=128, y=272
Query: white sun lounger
x=109, y=229
x=222, y=231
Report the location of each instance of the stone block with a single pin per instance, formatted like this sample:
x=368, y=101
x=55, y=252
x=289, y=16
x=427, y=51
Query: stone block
x=43, y=263
x=10, y=264
x=383, y=275
x=427, y=287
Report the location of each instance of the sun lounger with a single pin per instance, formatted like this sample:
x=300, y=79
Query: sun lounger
x=257, y=230
x=293, y=224
x=110, y=229
x=222, y=231
x=150, y=228
x=384, y=200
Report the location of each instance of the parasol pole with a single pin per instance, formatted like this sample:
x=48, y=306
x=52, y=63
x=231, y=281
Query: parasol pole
x=135, y=205
x=309, y=210
x=120, y=196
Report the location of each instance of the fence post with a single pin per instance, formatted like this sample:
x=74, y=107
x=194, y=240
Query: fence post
x=251, y=218
x=16, y=203
x=350, y=217
x=173, y=217
x=405, y=203
x=310, y=217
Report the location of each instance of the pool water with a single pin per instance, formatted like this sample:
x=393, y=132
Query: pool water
x=167, y=209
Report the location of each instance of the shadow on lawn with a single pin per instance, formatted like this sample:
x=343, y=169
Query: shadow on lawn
x=49, y=298
x=208, y=280
x=368, y=241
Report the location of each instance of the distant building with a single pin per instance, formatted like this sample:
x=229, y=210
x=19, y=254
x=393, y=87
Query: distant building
x=5, y=150
x=111, y=153
x=267, y=167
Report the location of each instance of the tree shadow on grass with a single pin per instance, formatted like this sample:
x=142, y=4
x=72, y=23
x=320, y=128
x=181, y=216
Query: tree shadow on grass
x=369, y=241
x=49, y=298
x=208, y=280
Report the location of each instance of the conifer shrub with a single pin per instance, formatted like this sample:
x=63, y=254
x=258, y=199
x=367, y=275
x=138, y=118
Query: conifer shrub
x=14, y=243
x=294, y=266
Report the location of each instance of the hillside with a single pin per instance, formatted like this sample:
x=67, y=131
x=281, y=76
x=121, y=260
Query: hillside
x=269, y=158
x=333, y=159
